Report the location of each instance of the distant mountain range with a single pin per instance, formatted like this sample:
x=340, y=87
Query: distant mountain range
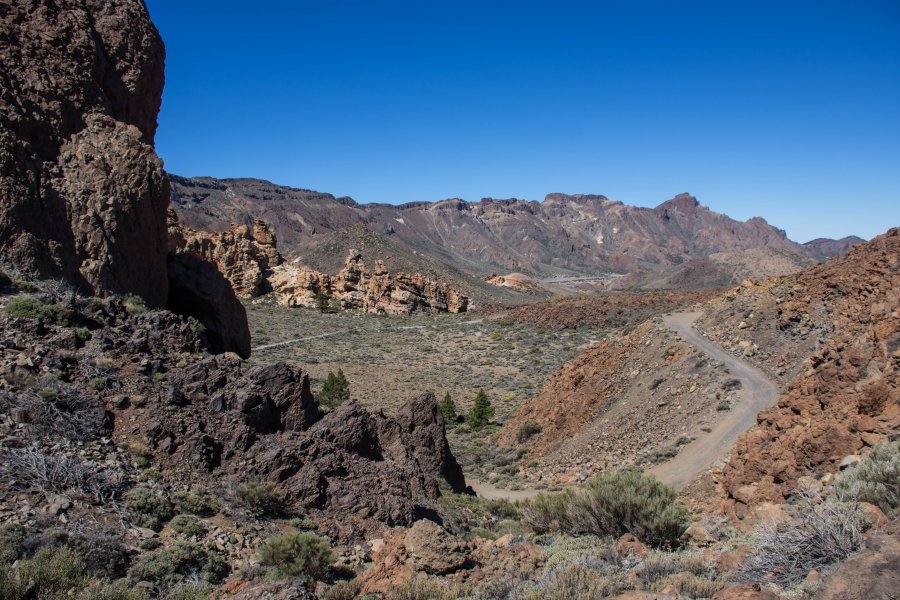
x=563, y=236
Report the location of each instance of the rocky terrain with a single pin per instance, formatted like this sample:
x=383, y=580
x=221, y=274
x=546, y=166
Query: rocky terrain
x=141, y=457
x=563, y=235
x=831, y=333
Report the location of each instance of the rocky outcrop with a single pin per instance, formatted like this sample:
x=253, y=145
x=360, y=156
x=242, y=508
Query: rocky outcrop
x=846, y=395
x=197, y=289
x=84, y=196
x=211, y=421
x=375, y=291
x=872, y=573
x=245, y=255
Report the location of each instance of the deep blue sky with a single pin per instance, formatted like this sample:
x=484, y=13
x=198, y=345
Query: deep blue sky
x=785, y=109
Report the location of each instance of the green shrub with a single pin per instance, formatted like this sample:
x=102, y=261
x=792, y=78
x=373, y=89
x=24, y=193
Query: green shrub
x=198, y=503
x=29, y=307
x=335, y=390
x=83, y=333
x=135, y=304
x=615, y=504
x=189, y=591
x=260, y=498
x=147, y=508
x=344, y=590
x=11, y=538
x=689, y=585
x=580, y=580
x=53, y=572
x=527, y=430
x=876, y=479
x=186, y=525
x=99, y=383
x=549, y=512
x=482, y=412
x=420, y=588
x=10, y=588
x=298, y=554
x=116, y=590
x=167, y=567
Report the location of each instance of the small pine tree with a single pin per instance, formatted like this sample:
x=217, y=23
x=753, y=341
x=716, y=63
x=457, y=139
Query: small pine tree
x=482, y=411
x=448, y=408
x=322, y=301
x=335, y=390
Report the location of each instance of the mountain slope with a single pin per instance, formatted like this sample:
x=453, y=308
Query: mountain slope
x=563, y=235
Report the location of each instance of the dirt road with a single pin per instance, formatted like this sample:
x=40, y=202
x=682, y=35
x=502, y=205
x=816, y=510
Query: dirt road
x=757, y=392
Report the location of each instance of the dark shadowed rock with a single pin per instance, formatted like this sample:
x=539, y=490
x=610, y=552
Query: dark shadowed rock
x=199, y=290
x=83, y=194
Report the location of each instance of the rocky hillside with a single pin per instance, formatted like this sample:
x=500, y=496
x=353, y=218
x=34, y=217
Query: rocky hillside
x=833, y=333
x=823, y=248
x=828, y=334
x=580, y=234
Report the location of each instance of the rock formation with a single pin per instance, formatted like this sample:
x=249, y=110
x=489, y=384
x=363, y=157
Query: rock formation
x=84, y=195
x=847, y=393
x=375, y=291
x=244, y=255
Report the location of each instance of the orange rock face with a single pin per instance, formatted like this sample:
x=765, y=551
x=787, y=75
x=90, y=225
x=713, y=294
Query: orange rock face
x=244, y=255
x=847, y=395
x=376, y=291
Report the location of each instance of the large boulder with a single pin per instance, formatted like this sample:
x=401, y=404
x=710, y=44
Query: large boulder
x=84, y=196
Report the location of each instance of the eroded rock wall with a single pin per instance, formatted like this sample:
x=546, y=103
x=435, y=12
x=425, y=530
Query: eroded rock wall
x=84, y=196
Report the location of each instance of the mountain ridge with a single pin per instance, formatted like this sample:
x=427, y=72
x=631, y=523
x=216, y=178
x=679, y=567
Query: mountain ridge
x=562, y=235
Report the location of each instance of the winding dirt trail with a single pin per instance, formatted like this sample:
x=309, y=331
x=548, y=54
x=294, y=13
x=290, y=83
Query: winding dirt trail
x=757, y=392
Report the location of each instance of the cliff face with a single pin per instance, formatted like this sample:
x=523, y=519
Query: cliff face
x=377, y=291
x=84, y=196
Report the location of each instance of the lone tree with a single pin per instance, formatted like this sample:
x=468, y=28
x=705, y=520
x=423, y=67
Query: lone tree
x=335, y=390
x=448, y=408
x=482, y=411
x=322, y=301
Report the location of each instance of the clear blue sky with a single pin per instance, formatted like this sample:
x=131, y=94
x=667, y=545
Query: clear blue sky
x=784, y=109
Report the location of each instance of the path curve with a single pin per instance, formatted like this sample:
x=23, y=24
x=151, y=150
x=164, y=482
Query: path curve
x=757, y=392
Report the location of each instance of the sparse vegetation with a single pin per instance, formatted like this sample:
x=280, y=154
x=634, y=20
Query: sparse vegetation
x=197, y=503
x=188, y=525
x=527, y=430
x=135, y=304
x=260, y=498
x=167, y=567
x=147, y=508
x=299, y=554
x=29, y=307
x=623, y=502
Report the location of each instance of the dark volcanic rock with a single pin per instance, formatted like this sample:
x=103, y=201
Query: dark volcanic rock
x=83, y=194
x=199, y=290
x=824, y=248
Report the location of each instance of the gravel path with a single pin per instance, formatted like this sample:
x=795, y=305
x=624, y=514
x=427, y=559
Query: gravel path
x=757, y=392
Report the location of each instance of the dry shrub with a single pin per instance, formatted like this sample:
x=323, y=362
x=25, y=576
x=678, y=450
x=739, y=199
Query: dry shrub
x=823, y=533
